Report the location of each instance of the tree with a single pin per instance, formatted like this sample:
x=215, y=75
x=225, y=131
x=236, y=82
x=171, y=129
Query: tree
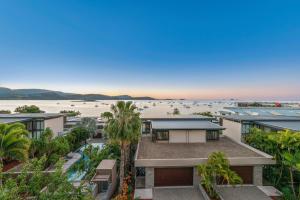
x=176, y=111
x=89, y=124
x=217, y=167
x=14, y=143
x=123, y=127
x=285, y=147
x=70, y=113
x=28, y=109
x=52, y=148
x=5, y=111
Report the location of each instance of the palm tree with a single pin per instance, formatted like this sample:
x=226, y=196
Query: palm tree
x=14, y=143
x=123, y=127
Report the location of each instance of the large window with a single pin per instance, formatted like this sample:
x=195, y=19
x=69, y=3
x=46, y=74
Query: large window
x=212, y=134
x=246, y=128
x=36, y=128
x=162, y=135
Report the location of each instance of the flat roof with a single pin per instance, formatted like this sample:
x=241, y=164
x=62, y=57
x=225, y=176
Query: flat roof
x=272, y=111
x=185, y=125
x=282, y=125
x=32, y=115
x=147, y=116
x=12, y=120
x=106, y=164
x=190, y=154
x=240, y=118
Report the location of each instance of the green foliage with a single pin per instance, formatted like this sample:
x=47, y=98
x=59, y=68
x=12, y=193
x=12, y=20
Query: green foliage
x=52, y=148
x=28, y=109
x=208, y=114
x=176, y=111
x=33, y=182
x=70, y=113
x=14, y=143
x=89, y=124
x=94, y=156
x=76, y=136
x=5, y=111
x=285, y=147
x=217, y=166
x=123, y=127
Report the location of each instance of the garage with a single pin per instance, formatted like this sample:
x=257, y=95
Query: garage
x=173, y=176
x=245, y=172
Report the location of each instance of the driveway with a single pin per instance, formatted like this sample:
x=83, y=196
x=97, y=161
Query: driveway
x=177, y=193
x=242, y=193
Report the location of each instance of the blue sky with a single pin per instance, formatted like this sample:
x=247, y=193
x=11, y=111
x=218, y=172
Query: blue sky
x=180, y=49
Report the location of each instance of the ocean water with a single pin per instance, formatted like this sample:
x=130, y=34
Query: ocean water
x=151, y=107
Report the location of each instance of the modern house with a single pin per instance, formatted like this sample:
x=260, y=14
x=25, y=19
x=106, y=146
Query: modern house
x=237, y=126
x=167, y=155
x=37, y=122
x=105, y=179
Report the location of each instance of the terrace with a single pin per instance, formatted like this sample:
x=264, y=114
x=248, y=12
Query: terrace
x=191, y=154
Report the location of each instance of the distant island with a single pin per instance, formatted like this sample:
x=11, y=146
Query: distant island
x=41, y=94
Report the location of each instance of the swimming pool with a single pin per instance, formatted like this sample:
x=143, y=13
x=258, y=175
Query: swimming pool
x=77, y=175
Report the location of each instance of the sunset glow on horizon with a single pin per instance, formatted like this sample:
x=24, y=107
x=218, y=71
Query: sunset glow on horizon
x=191, y=50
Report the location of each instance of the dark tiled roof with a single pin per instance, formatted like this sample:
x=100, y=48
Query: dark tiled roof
x=31, y=115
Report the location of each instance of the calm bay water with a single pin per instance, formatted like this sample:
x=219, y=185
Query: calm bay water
x=96, y=108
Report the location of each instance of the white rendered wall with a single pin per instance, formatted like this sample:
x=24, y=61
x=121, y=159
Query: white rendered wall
x=232, y=130
x=55, y=124
x=187, y=136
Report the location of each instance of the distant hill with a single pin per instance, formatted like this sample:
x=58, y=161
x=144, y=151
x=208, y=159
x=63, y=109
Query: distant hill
x=41, y=94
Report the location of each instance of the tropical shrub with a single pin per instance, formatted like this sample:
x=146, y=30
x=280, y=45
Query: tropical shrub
x=32, y=180
x=28, y=109
x=217, y=167
x=285, y=147
x=14, y=143
x=52, y=148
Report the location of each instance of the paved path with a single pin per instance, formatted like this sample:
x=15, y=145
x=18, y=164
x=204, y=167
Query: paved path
x=190, y=193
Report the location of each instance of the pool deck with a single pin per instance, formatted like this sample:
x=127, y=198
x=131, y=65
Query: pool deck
x=70, y=162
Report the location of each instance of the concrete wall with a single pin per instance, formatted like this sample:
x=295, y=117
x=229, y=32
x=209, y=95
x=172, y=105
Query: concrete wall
x=149, y=177
x=187, y=136
x=196, y=179
x=56, y=125
x=232, y=129
x=258, y=175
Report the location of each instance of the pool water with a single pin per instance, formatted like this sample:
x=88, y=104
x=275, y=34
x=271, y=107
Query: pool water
x=77, y=175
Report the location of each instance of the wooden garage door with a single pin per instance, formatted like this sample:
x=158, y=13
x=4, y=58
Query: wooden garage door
x=173, y=176
x=245, y=172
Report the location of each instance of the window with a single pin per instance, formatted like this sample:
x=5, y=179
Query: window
x=146, y=126
x=161, y=134
x=140, y=171
x=212, y=134
x=246, y=128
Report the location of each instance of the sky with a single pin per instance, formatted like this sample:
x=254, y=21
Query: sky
x=164, y=49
